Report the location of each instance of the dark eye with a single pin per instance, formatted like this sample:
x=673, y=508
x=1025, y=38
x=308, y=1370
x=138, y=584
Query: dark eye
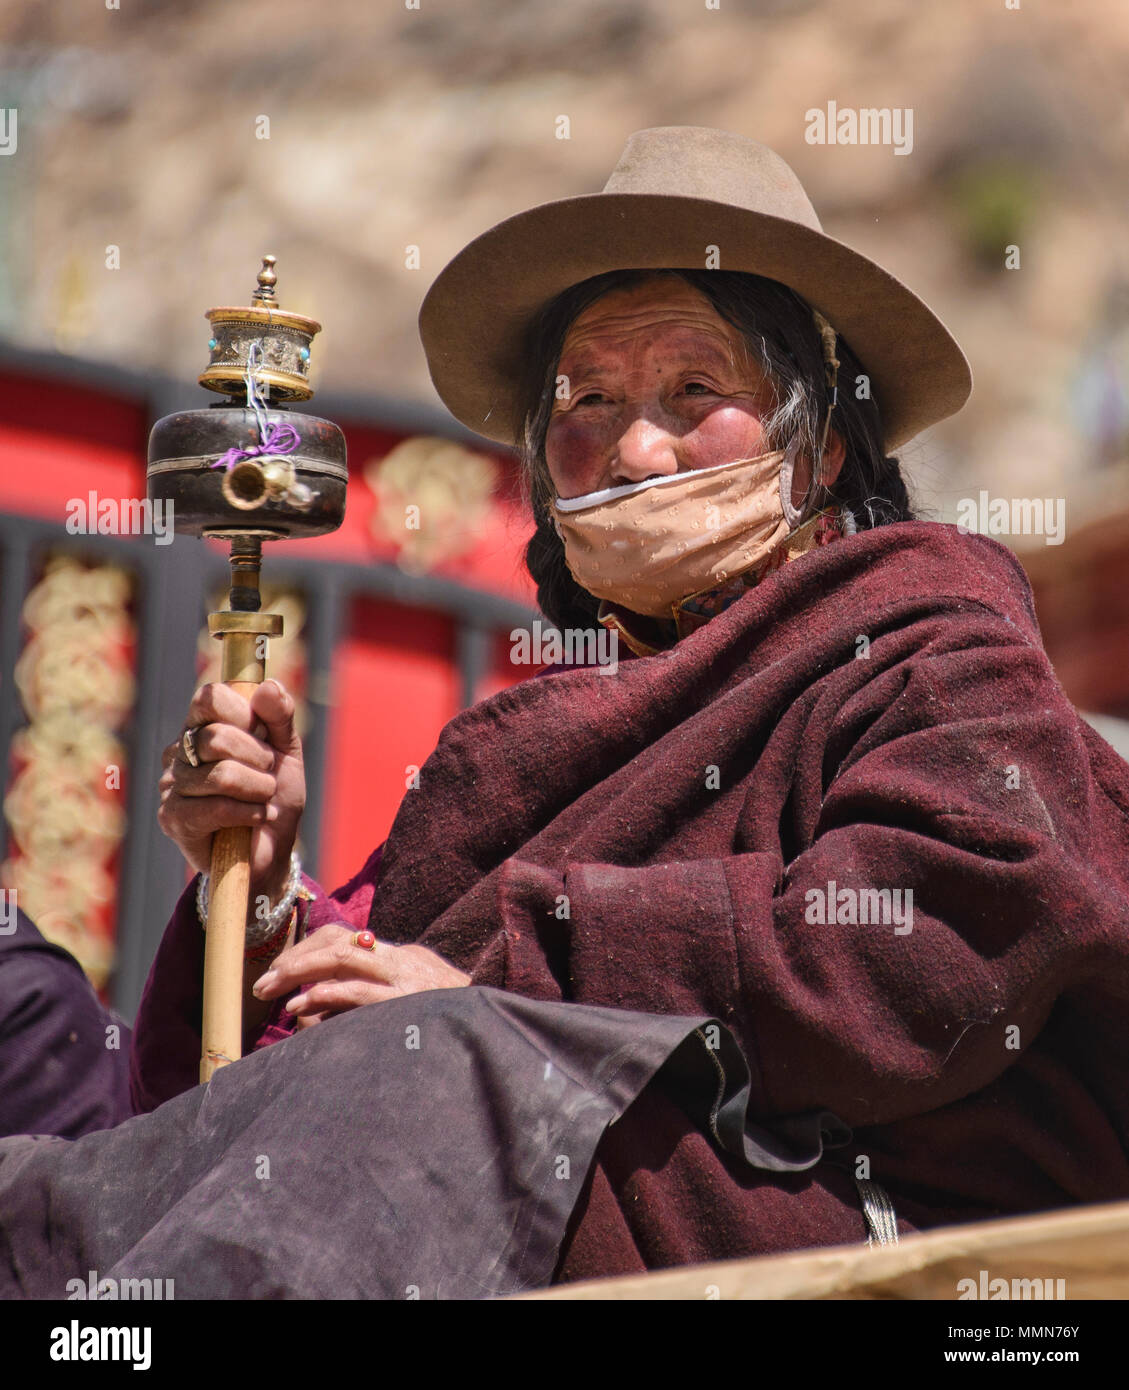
x=705, y=387
x=589, y=396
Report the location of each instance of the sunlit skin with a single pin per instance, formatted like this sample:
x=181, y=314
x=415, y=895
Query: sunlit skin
x=659, y=383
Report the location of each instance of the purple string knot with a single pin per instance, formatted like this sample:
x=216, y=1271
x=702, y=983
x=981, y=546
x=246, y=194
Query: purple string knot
x=281, y=439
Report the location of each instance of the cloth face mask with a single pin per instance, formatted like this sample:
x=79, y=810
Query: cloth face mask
x=648, y=545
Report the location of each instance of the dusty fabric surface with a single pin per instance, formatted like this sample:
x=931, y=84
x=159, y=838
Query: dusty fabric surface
x=432, y=1146
x=877, y=715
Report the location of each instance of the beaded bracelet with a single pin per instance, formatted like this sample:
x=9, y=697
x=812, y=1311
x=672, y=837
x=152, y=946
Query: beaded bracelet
x=277, y=943
x=269, y=949
x=267, y=928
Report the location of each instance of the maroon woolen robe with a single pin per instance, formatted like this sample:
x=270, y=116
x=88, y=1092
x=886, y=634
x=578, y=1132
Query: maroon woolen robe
x=687, y=835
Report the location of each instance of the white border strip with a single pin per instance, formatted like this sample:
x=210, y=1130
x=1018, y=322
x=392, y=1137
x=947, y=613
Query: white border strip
x=609, y=494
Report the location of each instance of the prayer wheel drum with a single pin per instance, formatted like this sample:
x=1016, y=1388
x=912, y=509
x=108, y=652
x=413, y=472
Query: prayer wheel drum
x=280, y=496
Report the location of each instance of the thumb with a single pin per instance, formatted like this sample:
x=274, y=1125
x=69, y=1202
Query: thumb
x=274, y=705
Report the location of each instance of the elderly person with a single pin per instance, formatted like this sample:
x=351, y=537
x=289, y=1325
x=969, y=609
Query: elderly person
x=833, y=796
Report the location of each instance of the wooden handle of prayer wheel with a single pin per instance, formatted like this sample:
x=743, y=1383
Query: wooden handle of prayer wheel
x=244, y=633
x=229, y=892
x=228, y=896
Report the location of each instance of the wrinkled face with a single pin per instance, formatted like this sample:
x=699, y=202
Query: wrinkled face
x=658, y=383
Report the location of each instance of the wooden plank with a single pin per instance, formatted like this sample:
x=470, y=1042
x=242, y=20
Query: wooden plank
x=1087, y=1247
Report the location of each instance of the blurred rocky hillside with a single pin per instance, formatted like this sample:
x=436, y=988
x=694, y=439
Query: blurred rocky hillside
x=389, y=126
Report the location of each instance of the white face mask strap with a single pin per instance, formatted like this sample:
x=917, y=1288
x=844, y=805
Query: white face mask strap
x=793, y=517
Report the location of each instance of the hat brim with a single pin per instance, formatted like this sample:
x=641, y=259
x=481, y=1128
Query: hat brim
x=473, y=318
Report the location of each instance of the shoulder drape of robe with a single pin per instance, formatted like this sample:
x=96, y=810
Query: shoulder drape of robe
x=878, y=715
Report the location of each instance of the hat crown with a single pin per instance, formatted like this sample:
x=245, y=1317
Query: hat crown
x=680, y=197
x=699, y=162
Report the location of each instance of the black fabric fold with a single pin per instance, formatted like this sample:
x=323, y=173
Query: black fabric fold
x=791, y=1144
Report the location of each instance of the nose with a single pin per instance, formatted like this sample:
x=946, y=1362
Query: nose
x=645, y=450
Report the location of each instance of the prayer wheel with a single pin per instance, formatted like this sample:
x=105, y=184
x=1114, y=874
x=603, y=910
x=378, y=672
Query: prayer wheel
x=248, y=466
x=246, y=470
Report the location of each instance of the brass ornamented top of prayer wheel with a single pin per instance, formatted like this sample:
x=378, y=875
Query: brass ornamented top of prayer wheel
x=285, y=337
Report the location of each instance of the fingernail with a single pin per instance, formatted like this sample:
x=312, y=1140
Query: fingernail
x=264, y=982
x=293, y=1005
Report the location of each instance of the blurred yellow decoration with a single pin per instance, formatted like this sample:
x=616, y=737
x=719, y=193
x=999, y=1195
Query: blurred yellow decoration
x=72, y=305
x=89, y=750
x=77, y=691
x=432, y=498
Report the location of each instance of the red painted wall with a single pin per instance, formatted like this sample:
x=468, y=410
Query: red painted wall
x=395, y=681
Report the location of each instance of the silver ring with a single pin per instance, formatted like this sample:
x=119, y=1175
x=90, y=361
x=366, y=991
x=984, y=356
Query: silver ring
x=188, y=747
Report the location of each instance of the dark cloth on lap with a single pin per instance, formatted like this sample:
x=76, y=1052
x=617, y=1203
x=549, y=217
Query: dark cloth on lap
x=432, y=1146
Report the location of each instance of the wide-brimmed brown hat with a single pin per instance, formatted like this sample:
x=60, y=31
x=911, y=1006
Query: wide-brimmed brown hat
x=676, y=191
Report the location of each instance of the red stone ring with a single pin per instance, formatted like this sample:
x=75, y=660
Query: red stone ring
x=365, y=940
